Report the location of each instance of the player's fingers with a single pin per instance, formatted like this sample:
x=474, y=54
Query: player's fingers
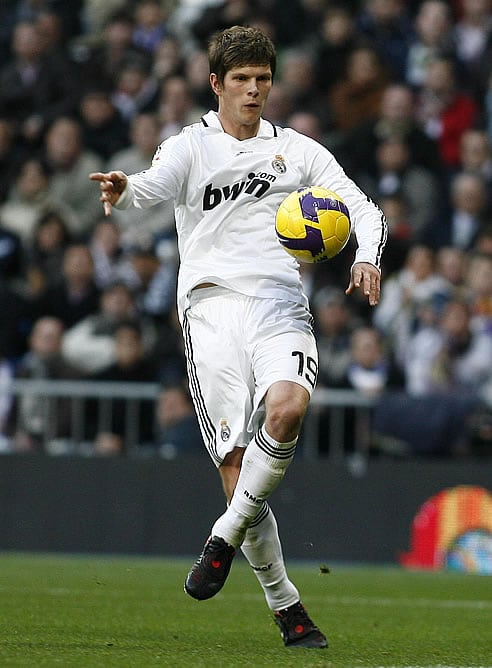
x=372, y=287
x=97, y=176
x=355, y=279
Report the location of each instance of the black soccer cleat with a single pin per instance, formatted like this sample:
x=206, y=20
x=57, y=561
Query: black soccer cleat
x=298, y=629
x=210, y=571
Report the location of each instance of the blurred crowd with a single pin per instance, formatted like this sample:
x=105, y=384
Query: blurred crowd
x=401, y=92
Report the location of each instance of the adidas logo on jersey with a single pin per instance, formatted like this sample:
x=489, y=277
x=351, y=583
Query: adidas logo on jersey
x=256, y=184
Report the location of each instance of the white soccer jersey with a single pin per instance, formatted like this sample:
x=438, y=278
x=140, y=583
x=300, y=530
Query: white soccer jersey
x=226, y=193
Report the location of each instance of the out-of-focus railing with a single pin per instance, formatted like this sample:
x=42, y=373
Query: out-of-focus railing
x=342, y=408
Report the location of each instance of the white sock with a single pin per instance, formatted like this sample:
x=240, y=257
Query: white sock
x=263, y=467
x=263, y=550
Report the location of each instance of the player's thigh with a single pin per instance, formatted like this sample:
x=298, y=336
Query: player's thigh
x=219, y=371
x=286, y=349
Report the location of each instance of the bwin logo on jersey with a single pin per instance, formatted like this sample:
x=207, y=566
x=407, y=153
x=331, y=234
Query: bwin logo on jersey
x=256, y=184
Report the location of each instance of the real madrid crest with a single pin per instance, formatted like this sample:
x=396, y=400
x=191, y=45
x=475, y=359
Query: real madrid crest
x=278, y=164
x=225, y=431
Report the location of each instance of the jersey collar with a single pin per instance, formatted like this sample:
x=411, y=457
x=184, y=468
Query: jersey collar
x=266, y=131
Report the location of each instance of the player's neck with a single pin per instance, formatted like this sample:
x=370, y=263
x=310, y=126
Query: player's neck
x=238, y=130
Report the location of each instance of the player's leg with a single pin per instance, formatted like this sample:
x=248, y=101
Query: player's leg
x=283, y=356
x=249, y=478
x=263, y=551
x=266, y=459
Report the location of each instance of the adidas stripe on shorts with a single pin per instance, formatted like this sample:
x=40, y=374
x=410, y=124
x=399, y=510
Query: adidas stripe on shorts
x=236, y=346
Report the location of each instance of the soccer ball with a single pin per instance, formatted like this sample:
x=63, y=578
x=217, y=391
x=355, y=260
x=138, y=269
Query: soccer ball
x=313, y=224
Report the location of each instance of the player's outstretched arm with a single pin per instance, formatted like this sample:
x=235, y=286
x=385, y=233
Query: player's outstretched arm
x=368, y=277
x=112, y=184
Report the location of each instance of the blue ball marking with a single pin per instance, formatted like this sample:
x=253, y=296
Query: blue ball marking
x=313, y=241
x=310, y=205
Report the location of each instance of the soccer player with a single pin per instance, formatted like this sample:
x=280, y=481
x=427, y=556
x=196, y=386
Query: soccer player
x=251, y=354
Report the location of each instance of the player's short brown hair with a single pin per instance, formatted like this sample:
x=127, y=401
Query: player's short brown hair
x=240, y=46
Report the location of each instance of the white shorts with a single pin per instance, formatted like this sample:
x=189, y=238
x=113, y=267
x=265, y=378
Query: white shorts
x=236, y=347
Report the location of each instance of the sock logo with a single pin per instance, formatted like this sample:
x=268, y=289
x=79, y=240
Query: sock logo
x=262, y=569
x=252, y=497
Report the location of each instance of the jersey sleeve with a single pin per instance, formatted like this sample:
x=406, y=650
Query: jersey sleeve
x=367, y=219
x=163, y=180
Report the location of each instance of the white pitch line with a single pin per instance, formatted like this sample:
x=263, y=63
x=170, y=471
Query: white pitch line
x=427, y=666
x=388, y=602
x=409, y=602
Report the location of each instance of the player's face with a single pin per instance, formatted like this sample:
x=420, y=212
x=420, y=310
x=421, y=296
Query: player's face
x=242, y=96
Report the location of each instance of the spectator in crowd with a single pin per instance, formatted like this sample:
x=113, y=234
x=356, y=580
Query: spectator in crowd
x=445, y=110
x=176, y=107
x=178, y=432
x=357, y=97
x=90, y=344
x=68, y=12
x=472, y=32
x=396, y=118
x=432, y=37
x=478, y=291
x=449, y=356
x=75, y=295
x=476, y=157
x=297, y=73
x=403, y=308
x=483, y=242
x=155, y=270
x=217, y=16
x=196, y=72
x=125, y=430
x=447, y=369
x=69, y=160
x=111, y=263
x=99, y=15
x=307, y=123
x=10, y=156
x=43, y=257
x=136, y=90
x=104, y=131
x=371, y=369
x=35, y=88
x=334, y=323
x=386, y=24
x=167, y=60
x=41, y=419
x=487, y=98
x=396, y=173
x=280, y=104
x=140, y=229
x=30, y=198
x=150, y=25
x=101, y=60
x=337, y=40
x=451, y=264
x=459, y=224
x=400, y=231
x=14, y=329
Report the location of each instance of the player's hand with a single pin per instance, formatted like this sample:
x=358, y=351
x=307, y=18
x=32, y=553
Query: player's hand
x=367, y=277
x=112, y=184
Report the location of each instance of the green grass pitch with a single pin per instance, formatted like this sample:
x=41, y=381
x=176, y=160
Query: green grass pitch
x=86, y=611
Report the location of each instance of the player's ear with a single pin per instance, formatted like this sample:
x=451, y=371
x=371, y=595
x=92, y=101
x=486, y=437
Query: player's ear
x=215, y=84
